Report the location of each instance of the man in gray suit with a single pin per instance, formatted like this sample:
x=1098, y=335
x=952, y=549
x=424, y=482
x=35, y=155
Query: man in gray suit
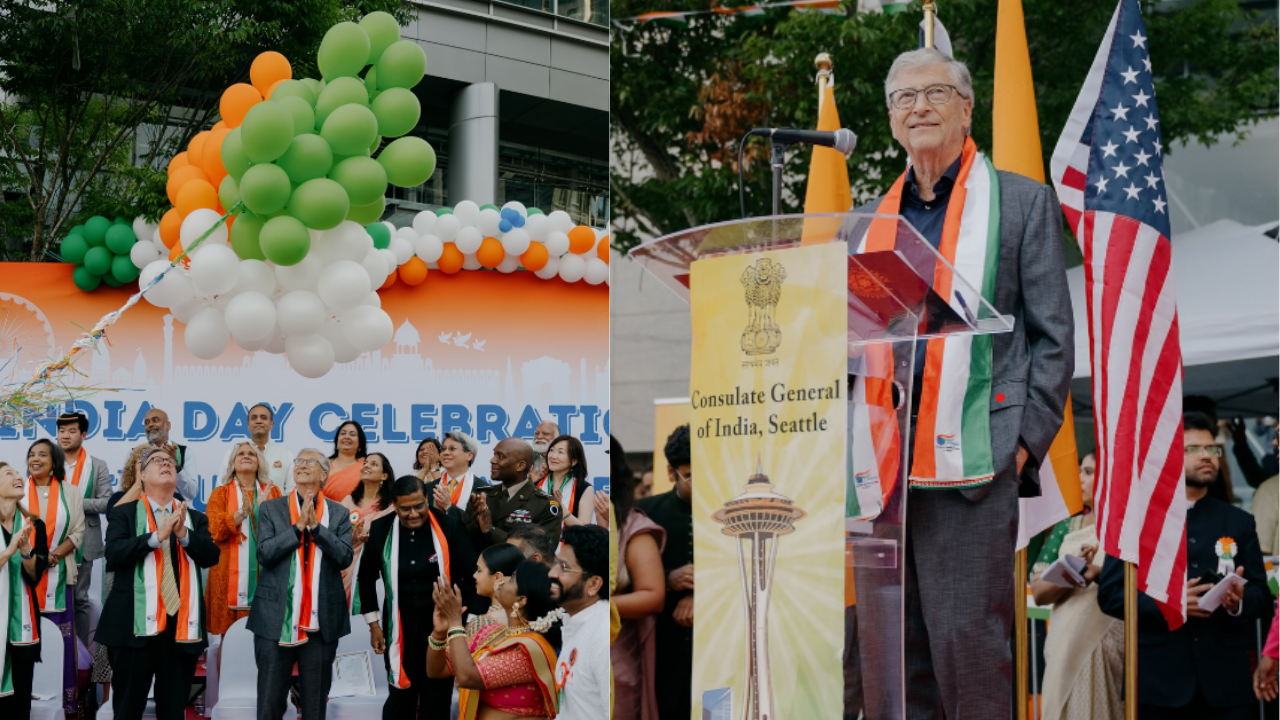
x=304, y=541
x=90, y=475
x=961, y=527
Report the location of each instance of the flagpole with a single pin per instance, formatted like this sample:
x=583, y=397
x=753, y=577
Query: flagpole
x=1130, y=641
x=823, y=63
x=1020, y=632
x=930, y=8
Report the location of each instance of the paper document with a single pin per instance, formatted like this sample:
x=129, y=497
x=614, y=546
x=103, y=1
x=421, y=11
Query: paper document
x=352, y=675
x=1212, y=599
x=1067, y=571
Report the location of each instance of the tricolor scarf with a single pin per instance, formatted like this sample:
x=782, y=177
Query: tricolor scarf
x=19, y=612
x=82, y=459
x=462, y=493
x=150, y=616
x=302, y=614
x=541, y=656
x=391, y=581
x=51, y=591
x=953, y=431
x=244, y=550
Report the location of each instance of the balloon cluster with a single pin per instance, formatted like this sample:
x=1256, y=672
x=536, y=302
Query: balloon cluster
x=101, y=250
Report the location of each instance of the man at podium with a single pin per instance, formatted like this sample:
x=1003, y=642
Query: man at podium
x=981, y=421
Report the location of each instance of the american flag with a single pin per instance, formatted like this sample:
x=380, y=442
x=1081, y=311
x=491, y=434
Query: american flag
x=1108, y=169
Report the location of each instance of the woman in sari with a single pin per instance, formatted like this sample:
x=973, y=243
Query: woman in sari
x=370, y=500
x=495, y=566
x=503, y=671
x=233, y=524
x=349, y=451
x=22, y=563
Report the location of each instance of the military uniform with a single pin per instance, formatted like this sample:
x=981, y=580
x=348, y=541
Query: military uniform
x=530, y=505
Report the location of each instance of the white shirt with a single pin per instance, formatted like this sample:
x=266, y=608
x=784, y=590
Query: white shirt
x=279, y=464
x=583, y=665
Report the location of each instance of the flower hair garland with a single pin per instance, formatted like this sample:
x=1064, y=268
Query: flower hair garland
x=544, y=623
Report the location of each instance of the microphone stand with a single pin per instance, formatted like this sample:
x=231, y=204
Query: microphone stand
x=777, y=158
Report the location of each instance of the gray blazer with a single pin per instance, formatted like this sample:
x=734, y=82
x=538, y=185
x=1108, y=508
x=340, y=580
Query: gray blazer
x=1033, y=364
x=277, y=541
x=95, y=506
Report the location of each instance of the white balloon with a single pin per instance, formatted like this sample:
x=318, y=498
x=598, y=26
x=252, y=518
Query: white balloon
x=343, y=350
x=447, y=227
x=550, y=270
x=515, y=242
x=488, y=222
x=537, y=226
x=255, y=276
x=275, y=345
x=374, y=300
x=466, y=212
x=198, y=223
x=407, y=233
x=428, y=248
x=250, y=317
x=256, y=345
x=140, y=227
x=560, y=221
x=471, y=262
x=156, y=295
x=347, y=241
x=389, y=258
x=300, y=276
x=143, y=254
x=519, y=207
x=572, y=268
x=557, y=243
x=468, y=240
x=207, y=335
x=215, y=269
x=423, y=222
x=219, y=302
x=401, y=249
x=368, y=328
x=510, y=263
x=344, y=285
x=311, y=356
x=159, y=243
x=187, y=310
x=301, y=313
x=375, y=267
x=597, y=271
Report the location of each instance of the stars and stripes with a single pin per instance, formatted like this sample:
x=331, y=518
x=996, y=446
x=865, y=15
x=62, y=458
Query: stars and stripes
x=1108, y=170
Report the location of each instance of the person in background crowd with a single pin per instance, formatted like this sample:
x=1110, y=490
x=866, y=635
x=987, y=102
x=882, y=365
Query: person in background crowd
x=1222, y=488
x=23, y=559
x=568, y=481
x=157, y=426
x=371, y=499
x=1255, y=472
x=644, y=488
x=262, y=420
x=639, y=596
x=1200, y=670
x=91, y=476
x=1264, y=677
x=410, y=552
x=52, y=499
x=152, y=621
x=349, y=451
x=579, y=583
x=535, y=542
x=299, y=611
x=542, y=437
x=501, y=671
x=496, y=510
x=233, y=525
x=1084, y=651
x=673, y=632
x=1266, y=509
x=496, y=565
x=426, y=461
x=458, y=483
x=130, y=490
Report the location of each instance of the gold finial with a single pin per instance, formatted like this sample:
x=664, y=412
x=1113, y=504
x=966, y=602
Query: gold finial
x=930, y=10
x=822, y=62
x=824, y=78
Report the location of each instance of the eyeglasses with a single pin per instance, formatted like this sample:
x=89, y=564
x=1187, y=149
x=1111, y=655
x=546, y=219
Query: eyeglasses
x=565, y=568
x=160, y=460
x=940, y=94
x=306, y=462
x=683, y=478
x=1210, y=450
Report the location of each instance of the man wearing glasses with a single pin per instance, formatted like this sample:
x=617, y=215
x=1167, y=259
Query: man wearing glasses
x=579, y=583
x=1200, y=670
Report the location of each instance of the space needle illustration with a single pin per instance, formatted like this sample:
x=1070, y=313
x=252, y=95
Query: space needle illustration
x=757, y=518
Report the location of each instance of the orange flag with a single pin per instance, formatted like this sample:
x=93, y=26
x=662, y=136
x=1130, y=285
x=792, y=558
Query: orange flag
x=828, y=186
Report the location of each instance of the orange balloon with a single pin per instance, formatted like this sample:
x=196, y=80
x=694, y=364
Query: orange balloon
x=273, y=87
x=195, y=195
x=220, y=125
x=179, y=178
x=212, y=152
x=170, y=227
x=179, y=160
x=391, y=280
x=490, y=253
x=268, y=69
x=535, y=258
x=231, y=220
x=413, y=272
x=236, y=101
x=451, y=259
x=175, y=251
x=581, y=239
x=195, y=151
x=602, y=249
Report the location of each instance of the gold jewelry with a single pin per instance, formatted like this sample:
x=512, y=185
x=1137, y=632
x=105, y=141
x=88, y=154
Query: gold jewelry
x=515, y=608
x=436, y=644
x=495, y=606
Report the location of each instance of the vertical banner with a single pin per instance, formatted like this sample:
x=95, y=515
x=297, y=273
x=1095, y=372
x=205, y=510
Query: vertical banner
x=668, y=414
x=767, y=391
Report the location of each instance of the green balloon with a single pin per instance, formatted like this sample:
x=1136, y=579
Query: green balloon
x=363, y=179
x=344, y=51
x=244, y=236
x=371, y=82
x=381, y=235
x=84, y=279
x=266, y=132
x=265, y=188
x=95, y=231
x=409, y=161
x=123, y=269
x=74, y=246
x=285, y=240
x=445, y=211
x=373, y=146
x=228, y=192
x=402, y=65
x=365, y=214
x=307, y=158
x=341, y=91
x=120, y=239
x=488, y=206
x=350, y=129
x=233, y=157
x=295, y=88
x=382, y=30
x=98, y=260
x=121, y=220
x=320, y=204
x=315, y=85
x=111, y=281
x=533, y=211
x=304, y=118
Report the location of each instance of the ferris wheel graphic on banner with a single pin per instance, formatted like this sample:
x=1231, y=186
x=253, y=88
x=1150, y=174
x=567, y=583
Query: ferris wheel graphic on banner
x=26, y=339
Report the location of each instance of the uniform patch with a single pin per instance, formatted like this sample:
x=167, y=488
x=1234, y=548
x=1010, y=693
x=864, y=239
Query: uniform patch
x=555, y=508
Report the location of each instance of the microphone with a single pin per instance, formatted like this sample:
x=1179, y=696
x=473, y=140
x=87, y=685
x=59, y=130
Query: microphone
x=843, y=139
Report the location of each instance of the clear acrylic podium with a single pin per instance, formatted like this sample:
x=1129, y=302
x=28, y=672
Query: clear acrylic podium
x=894, y=301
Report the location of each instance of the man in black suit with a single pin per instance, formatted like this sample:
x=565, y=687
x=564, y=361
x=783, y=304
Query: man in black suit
x=423, y=540
x=165, y=643
x=299, y=607
x=1200, y=670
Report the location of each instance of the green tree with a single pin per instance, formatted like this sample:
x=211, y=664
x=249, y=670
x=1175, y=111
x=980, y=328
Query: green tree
x=97, y=95
x=683, y=96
